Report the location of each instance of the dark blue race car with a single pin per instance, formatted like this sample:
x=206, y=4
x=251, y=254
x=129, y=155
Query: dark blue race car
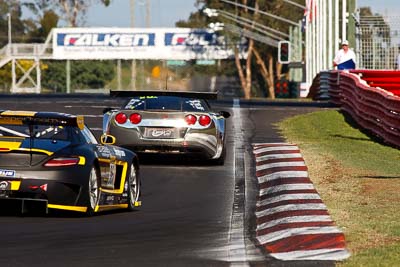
x=51, y=160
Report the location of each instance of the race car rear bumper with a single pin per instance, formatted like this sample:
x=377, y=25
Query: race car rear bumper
x=193, y=142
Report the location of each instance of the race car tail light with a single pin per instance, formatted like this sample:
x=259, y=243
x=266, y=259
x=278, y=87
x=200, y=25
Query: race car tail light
x=121, y=118
x=61, y=162
x=36, y=187
x=190, y=119
x=135, y=118
x=204, y=120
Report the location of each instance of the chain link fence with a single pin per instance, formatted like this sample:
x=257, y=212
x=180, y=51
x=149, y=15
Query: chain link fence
x=379, y=42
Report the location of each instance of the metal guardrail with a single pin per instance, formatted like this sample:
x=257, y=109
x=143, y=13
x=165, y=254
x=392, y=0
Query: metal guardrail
x=43, y=51
x=374, y=109
x=25, y=51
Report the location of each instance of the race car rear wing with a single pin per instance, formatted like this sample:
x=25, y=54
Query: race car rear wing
x=189, y=94
x=42, y=118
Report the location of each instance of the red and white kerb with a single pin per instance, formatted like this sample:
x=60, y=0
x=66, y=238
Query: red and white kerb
x=292, y=221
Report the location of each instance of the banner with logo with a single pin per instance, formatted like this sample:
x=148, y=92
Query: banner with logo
x=140, y=43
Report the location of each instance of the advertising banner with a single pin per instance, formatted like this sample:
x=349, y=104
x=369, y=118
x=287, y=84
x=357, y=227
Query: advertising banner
x=139, y=43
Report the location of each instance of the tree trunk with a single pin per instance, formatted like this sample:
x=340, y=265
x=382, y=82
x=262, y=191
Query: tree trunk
x=278, y=70
x=264, y=72
x=245, y=75
x=240, y=69
x=247, y=89
x=73, y=9
x=271, y=72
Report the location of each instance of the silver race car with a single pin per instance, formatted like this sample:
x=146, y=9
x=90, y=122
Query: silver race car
x=168, y=122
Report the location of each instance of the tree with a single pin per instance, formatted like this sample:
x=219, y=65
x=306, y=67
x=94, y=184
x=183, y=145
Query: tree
x=74, y=10
x=260, y=69
x=84, y=74
x=17, y=24
x=45, y=19
x=71, y=11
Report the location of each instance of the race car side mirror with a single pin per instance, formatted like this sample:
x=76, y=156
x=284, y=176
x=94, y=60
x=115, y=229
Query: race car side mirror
x=107, y=139
x=225, y=114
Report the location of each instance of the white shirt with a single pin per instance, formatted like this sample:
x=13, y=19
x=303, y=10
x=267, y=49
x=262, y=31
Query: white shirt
x=341, y=56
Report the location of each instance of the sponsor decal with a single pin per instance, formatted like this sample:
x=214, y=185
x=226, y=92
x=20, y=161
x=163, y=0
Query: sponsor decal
x=119, y=153
x=139, y=43
x=134, y=103
x=160, y=132
x=4, y=185
x=104, y=151
x=105, y=39
x=196, y=104
x=110, y=199
x=7, y=173
x=193, y=39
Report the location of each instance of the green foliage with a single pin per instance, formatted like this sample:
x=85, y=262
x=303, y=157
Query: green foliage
x=39, y=31
x=195, y=20
x=91, y=74
x=84, y=75
x=55, y=76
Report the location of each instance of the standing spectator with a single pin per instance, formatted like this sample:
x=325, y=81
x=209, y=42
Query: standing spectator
x=345, y=58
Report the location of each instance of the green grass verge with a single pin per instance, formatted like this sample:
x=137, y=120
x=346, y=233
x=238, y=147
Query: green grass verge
x=359, y=180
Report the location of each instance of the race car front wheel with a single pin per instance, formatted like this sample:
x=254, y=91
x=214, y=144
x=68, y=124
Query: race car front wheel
x=93, y=191
x=132, y=186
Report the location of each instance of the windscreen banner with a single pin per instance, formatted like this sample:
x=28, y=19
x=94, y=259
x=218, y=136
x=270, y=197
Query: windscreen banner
x=141, y=43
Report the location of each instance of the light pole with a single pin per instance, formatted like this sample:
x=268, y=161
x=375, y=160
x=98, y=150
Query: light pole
x=9, y=28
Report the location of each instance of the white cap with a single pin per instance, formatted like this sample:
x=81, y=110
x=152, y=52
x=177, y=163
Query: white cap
x=345, y=42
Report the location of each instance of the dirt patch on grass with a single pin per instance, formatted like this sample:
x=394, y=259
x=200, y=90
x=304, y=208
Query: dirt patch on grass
x=356, y=200
x=387, y=189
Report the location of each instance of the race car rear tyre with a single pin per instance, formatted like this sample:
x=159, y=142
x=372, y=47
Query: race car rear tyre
x=132, y=185
x=93, y=191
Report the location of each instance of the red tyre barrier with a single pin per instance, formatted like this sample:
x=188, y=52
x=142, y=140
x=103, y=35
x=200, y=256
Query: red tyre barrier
x=373, y=108
x=376, y=73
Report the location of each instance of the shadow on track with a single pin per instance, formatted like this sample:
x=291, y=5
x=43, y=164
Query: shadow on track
x=172, y=159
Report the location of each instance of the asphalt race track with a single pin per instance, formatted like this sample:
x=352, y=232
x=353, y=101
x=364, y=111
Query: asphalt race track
x=192, y=214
